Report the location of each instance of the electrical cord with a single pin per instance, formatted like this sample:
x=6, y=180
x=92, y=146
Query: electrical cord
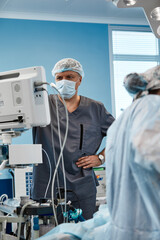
x=76, y=197
x=49, y=181
x=61, y=152
x=37, y=89
x=20, y=217
x=50, y=172
x=37, y=84
x=68, y=190
x=3, y=164
x=3, y=197
x=53, y=148
x=63, y=169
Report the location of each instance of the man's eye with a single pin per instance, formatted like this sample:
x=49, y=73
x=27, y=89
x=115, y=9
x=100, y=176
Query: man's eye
x=69, y=77
x=58, y=78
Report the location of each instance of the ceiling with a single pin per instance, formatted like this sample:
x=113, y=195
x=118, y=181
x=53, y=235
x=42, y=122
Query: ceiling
x=96, y=11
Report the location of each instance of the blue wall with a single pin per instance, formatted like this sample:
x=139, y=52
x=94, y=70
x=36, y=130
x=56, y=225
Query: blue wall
x=26, y=43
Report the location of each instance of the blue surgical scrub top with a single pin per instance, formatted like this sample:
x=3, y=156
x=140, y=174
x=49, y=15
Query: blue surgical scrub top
x=88, y=124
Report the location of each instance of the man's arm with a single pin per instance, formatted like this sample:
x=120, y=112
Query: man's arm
x=90, y=161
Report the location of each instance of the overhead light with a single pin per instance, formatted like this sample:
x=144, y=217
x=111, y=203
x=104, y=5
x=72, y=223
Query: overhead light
x=155, y=14
x=130, y=2
x=151, y=10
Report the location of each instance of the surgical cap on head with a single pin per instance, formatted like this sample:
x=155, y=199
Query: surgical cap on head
x=134, y=83
x=68, y=64
x=139, y=83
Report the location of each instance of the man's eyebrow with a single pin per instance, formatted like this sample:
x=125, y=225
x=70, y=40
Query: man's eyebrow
x=70, y=74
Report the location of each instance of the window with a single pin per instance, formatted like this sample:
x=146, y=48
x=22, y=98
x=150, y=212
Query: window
x=132, y=49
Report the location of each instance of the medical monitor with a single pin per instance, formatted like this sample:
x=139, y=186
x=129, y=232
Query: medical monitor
x=22, y=104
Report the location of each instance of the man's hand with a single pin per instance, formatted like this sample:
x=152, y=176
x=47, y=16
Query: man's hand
x=88, y=161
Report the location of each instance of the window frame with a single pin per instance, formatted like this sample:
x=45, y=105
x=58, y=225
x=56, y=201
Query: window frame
x=127, y=57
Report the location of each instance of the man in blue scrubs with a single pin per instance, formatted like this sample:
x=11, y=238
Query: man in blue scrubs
x=88, y=124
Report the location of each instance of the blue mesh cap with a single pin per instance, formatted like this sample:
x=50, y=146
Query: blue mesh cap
x=68, y=64
x=148, y=80
x=140, y=84
x=135, y=83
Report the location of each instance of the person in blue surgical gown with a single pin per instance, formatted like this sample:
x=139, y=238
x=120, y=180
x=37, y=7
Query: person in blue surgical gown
x=132, y=170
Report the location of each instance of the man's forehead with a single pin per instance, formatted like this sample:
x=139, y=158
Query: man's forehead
x=66, y=73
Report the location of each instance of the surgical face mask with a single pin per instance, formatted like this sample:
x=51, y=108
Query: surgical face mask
x=66, y=88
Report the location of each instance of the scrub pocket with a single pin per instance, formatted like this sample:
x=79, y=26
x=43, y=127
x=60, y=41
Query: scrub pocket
x=92, y=138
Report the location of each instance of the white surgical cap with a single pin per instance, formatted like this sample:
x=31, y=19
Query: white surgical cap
x=68, y=64
x=140, y=83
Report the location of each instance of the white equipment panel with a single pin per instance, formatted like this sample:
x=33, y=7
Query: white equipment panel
x=22, y=103
x=25, y=154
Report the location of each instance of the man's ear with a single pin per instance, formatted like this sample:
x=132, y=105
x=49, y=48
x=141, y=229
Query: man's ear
x=80, y=79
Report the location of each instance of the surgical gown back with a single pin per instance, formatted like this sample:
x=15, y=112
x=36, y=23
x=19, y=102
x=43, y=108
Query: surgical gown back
x=133, y=172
